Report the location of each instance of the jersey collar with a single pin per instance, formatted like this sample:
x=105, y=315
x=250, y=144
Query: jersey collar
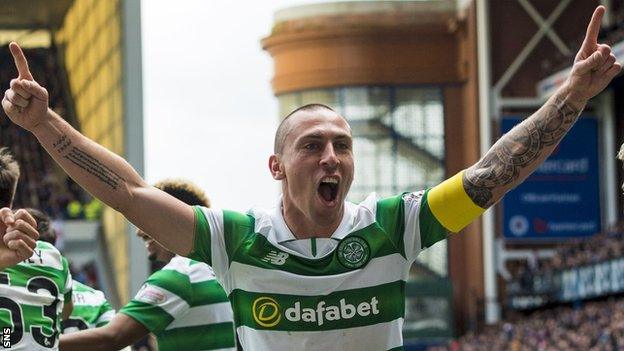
x=281, y=233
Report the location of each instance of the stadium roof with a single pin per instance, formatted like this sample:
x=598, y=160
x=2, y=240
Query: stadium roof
x=33, y=14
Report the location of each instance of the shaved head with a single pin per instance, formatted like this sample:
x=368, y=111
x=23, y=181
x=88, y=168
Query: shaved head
x=284, y=127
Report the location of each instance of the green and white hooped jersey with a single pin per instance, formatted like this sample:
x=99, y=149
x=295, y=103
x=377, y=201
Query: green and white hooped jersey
x=346, y=292
x=185, y=307
x=91, y=310
x=32, y=296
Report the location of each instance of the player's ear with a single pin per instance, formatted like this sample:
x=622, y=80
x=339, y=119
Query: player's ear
x=275, y=166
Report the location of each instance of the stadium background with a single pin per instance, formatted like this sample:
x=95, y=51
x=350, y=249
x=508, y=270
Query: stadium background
x=426, y=86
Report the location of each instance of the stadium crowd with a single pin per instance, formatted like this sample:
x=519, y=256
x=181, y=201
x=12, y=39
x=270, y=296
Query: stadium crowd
x=42, y=184
x=598, y=248
x=592, y=326
x=569, y=254
x=595, y=325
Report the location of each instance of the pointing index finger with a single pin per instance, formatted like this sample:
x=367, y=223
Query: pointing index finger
x=591, y=36
x=20, y=61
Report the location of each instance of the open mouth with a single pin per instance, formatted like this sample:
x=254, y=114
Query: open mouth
x=328, y=189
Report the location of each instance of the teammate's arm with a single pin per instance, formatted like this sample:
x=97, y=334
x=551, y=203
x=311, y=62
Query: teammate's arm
x=105, y=175
x=119, y=333
x=67, y=310
x=520, y=151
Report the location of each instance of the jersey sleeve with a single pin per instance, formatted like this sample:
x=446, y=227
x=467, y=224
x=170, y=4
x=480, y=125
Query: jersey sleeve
x=164, y=297
x=106, y=314
x=202, y=244
x=397, y=216
x=451, y=206
x=218, y=234
x=432, y=214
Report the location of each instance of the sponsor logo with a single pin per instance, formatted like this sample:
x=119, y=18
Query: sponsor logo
x=353, y=252
x=152, y=295
x=413, y=197
x=324, y=312
x=518, y=225
x=266, y=312
x=276, y=258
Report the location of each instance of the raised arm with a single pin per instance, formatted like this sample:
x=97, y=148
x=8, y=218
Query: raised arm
x=520, y=151
x=105, y=175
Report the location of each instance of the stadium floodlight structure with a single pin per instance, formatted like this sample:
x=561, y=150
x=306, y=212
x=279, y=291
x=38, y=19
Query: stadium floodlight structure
x=98, y=47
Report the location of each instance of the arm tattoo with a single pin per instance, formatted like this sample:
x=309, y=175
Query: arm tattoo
x=518, y=149
x=87, y=162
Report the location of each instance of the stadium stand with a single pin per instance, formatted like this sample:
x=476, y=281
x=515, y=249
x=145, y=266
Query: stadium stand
x=555, y=315
x=599, y=248
x=591, y=326
x=41, y=185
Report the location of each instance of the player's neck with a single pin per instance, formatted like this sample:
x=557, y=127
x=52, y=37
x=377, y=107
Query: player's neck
x=304, y=226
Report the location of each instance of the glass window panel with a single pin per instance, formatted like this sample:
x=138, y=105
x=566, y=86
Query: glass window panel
x=320, y=96
x=419, y=115
x=435, y=257
x=287, y=103
x=364, y=103
x=373, y=168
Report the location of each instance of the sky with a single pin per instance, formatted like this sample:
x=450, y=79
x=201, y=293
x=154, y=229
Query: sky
x=210, y=114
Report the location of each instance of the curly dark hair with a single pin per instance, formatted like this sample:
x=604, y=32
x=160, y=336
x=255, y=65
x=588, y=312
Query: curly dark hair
x=184, y=191
x=46, y=232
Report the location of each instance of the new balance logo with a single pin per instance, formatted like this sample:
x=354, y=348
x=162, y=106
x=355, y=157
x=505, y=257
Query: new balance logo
x=276, y=258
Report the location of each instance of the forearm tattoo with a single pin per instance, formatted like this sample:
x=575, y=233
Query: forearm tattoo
x=87, y=162
x=518, y=149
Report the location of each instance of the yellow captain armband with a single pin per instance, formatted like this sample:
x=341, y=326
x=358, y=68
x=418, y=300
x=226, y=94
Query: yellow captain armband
x=450, y=204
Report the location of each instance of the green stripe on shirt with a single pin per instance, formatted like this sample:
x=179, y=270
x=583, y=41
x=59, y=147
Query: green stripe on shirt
x=184, y=314
x=431, y=230
x=201, y=247
x=194, y=338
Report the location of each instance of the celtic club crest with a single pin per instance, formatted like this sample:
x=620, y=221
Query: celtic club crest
x=353, y=252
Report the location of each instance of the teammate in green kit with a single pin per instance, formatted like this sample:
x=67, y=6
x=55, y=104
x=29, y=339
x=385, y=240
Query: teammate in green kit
x=317, y=272
x=35, y=296
x=90, y=308
x=182, y=304
x=35, y=293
